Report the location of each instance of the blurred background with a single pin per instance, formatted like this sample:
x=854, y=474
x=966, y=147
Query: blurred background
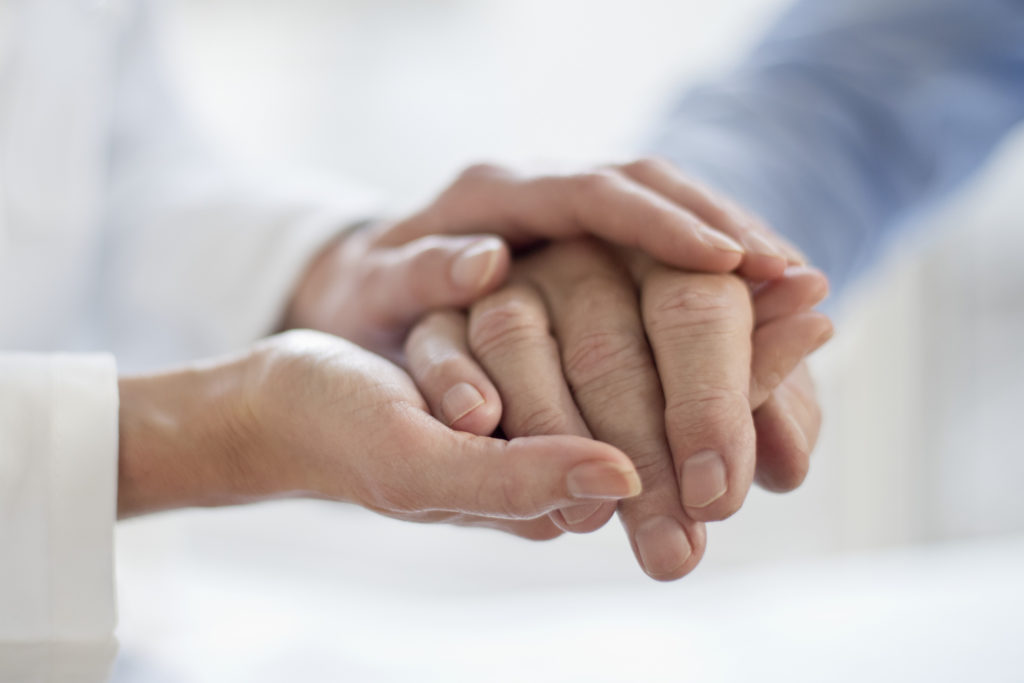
x=900, y=558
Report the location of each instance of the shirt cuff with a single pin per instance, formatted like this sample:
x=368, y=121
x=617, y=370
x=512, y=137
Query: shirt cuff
x=58, y=498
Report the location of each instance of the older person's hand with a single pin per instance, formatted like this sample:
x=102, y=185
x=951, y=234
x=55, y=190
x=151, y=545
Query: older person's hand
x=665, y=365
x=372, y=284
x=307, y=414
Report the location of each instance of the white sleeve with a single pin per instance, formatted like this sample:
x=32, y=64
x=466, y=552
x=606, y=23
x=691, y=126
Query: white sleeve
x=58, y=505
x=201, y=255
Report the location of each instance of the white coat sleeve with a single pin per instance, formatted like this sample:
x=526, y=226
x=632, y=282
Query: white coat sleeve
x=201, y=256
x=58, y=499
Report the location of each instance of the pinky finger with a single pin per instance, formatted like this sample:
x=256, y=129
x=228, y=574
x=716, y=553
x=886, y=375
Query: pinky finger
x=787, y=431
x=455, y=387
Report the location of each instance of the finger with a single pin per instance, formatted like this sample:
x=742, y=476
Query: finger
x=799, y=289
x=602, y=203
x=510, y=336
x=609, y=367
x=787, y=425
x=457, y=390
x=402, y=283
x=780, y=346
x=699, y=327
x=767, y=253
x=519, y=479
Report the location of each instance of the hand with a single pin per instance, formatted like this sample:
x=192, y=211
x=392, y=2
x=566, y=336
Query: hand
x=307, y=414
x=372, y=284
x=672, y=381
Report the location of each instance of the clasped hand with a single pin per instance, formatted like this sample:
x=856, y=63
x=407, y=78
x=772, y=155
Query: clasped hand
x=627, y=365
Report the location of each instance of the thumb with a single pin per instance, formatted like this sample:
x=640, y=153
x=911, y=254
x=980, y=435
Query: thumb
x=522, y=478
x=401, y=283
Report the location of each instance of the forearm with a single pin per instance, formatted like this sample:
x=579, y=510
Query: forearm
x=185, y=441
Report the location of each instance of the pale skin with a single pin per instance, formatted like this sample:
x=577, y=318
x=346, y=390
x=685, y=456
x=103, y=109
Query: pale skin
x=305, y=414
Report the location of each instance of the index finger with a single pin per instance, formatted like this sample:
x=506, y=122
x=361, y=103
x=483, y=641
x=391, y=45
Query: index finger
x=699, y=327
x=767, y=252
x=604, y=203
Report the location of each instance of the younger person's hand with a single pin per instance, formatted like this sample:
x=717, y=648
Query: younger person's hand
x=372, y=284
x=307, y=414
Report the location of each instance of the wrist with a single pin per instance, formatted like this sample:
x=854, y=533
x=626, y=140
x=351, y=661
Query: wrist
x=185, y=440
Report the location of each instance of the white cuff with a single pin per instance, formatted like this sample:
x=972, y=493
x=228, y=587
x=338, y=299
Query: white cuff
x=58, y=498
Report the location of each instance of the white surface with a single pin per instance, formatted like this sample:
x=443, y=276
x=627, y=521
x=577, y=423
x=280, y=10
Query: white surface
x=949, y=613
x=920, y=438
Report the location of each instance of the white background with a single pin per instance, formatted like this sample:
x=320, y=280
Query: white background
x=922, y=388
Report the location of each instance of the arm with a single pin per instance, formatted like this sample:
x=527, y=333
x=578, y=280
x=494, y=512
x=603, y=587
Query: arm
x=850, y=117
x=307, y=414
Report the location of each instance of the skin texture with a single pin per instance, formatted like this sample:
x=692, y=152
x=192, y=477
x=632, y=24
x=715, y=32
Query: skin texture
x=372, y=288
x=307, y=414
x=666, y=365
x=371, y=285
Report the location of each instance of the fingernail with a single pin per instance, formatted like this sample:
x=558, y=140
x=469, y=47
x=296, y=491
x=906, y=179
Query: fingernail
x=720, y=241
x=459, y=401
x=602, y=480
x=580, y=513
x=759, y=244
x=475, y=264
x=704, y=479
x=663, y=547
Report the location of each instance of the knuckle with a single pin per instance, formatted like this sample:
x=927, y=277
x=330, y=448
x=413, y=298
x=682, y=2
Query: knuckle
x=696, y=299
x=599, y=182
x=539, y=420
x=430, y=348
x=599, y=355
x=439, y=372
x=704, y=410
x=653, y=469
x=505, y=322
